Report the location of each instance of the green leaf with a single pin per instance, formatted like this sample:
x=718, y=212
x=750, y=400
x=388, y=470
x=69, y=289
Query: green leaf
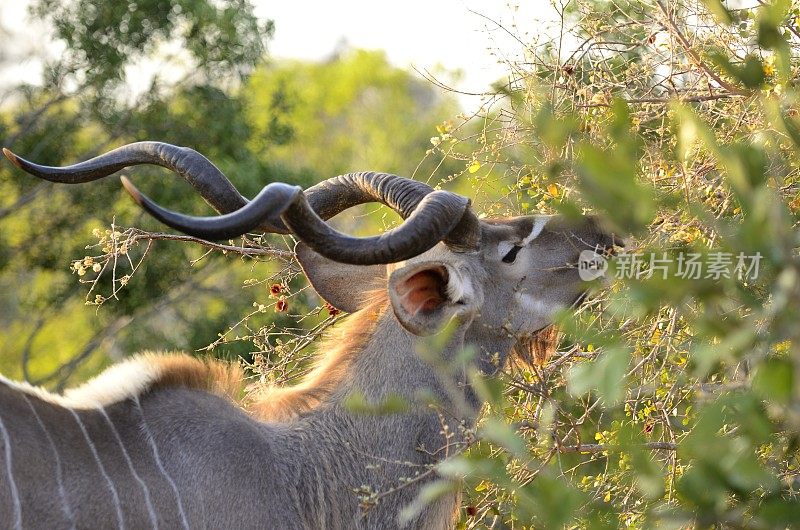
x=774, y=380
x=693, y=130
x=707, y=354
x=745, y=165
x=551, y=502
x=391, y=404
x=429, y=493
x=606, y=375
x=649, y=478
x=554, y=130
x=501, y=433
x=489, y=389
x=719, y=11
x=770, y=18
x=750, y=72
x=608, y=179
x=779, y=512
x=780, y=119
x=476, y=466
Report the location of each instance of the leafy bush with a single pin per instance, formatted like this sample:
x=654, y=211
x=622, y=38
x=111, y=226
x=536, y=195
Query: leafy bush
x=673, y=399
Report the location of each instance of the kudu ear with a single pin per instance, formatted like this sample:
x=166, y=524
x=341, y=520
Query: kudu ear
x=425, y=296
x=343, y=286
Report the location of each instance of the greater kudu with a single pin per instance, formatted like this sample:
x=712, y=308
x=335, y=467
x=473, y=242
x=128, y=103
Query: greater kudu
x=157, y=441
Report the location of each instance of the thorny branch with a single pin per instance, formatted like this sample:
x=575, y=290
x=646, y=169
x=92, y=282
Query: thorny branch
x=599, y=448
x=247, y=248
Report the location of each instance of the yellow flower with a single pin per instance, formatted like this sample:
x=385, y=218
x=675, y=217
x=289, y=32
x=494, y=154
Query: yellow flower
x=782, y=347
x=655, y=337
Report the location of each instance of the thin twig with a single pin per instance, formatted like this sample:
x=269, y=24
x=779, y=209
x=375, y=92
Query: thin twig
x=137, y=234
x=673, y=27
x=599, y=448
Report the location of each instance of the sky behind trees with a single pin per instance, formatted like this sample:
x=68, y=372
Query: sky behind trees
x=453, y=39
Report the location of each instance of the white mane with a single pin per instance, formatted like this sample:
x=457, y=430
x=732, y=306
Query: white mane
x=138, y=375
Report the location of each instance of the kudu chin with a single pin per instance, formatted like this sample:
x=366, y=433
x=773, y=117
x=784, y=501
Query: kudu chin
x=166, y=441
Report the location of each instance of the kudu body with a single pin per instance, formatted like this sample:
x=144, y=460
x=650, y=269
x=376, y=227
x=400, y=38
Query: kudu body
x=159, y=441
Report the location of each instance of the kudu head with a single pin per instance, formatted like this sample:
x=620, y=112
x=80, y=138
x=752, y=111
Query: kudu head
x=502, y=278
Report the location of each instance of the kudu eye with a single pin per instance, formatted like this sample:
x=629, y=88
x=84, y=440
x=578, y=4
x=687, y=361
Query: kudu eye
x=511, y=255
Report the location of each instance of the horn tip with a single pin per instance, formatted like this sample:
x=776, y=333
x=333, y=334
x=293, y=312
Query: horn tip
x=14, y=159
x=132, y=190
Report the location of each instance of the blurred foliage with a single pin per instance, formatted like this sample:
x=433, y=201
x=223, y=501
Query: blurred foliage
x=671, y=402
x=385, y=111
x=66, y=252
x=102, y=38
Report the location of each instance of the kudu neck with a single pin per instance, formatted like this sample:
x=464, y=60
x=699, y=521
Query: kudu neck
x=492, y=348
x=428, y=373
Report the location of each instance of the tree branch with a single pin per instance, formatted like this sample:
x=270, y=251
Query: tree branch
x=673, y=27
x=135, y=234
x=599, y=448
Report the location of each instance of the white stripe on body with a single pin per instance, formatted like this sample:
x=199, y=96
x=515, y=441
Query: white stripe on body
x=152, y=442
x=114, y=494
x=62, y=492
x=150, y=510
x=10, y=471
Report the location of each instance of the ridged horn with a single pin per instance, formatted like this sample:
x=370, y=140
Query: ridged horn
x=434, y=217
x=199, y=171
x=279, y=208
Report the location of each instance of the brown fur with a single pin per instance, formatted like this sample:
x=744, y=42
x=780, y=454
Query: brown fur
x=342, y=346
x=182, y=371
x=148, y=372
x=537, y=349
x=177, y=370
